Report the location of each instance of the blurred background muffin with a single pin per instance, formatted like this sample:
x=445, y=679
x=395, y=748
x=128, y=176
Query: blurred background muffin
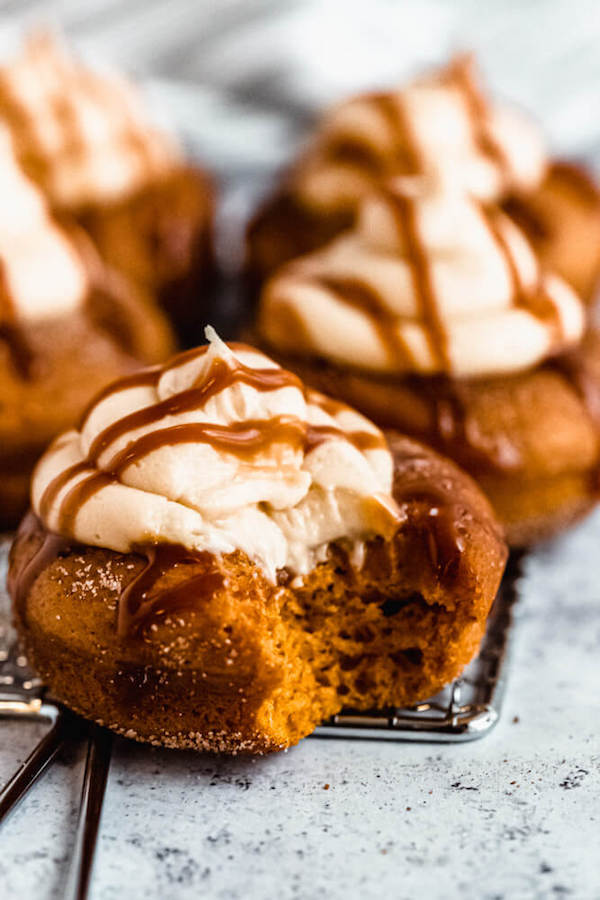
x=68, y=325
x=84, y=137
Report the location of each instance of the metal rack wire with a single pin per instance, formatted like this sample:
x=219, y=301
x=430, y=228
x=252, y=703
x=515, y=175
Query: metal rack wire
x=465, y=710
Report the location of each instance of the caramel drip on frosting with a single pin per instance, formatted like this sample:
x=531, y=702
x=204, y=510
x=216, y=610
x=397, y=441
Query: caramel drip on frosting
x=220, y=376
x=77, y=81
x=404, y=209
x=391, y=109
x=461, y=74
x=11, y=333
x=364, y=297
x=534, y=300
x=244, y=439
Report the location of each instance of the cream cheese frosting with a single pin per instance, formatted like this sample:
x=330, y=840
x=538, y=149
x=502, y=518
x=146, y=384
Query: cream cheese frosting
x=441, y=126
x=41, y=273
x=81, y=135
x=219, y=450
x=429, y=281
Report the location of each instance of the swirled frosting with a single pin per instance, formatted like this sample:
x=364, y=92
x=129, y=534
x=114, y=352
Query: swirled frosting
x=218, y=450
x=41, y=273
x=81, y=135
x=428, y=281
x=441, y=126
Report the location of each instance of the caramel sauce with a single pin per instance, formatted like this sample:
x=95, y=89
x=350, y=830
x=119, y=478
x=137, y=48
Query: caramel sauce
x=244, y=439
x=534, y=300
x=362, y=296
x=459, y=433
x=439, y=520
x=404, y=210
x=52, y=546
x=221, y=375
x=144, y=378
x=461, y=74
x=11, y=333
x=319, y=434
x=406, y=156
x=141, y=601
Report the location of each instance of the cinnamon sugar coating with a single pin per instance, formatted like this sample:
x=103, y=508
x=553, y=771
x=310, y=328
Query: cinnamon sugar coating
x=253, y=666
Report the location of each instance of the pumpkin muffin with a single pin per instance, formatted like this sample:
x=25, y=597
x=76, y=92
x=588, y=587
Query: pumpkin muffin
x=220, y=559
x=67, y=326
x=443, y=127
x=85, y=139
x=447, y=328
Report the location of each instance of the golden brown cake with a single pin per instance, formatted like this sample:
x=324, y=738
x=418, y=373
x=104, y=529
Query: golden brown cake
x=434, y=316
x=85, y=139
x=442, y=127
x=68, y=325
x=220, y=559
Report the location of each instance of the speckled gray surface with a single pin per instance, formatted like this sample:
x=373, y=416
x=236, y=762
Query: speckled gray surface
x=516, y=815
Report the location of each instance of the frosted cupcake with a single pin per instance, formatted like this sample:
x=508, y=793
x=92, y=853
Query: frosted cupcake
x=441, y=126
x=433, y=315
x=86, y=140
x=67, y=327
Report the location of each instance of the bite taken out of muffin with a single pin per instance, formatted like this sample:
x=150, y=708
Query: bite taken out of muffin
x=221, y=558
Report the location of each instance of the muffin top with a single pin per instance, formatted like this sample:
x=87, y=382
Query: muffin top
x=442, y=126
x=219, y=450
x=82, y=136
x=429, y=281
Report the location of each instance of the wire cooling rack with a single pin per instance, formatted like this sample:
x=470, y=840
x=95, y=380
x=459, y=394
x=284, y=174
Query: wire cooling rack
x=465, y=710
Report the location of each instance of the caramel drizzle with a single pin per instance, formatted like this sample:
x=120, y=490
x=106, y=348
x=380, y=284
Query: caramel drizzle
x=434, y=512
x=20, y=351
x=461, y=74
x=244, y=439
x=404, y=157
x=534, y=300
x=140, y=603
x=392, y=110
x=220, y=376
x=363, y=297
x=405, y=211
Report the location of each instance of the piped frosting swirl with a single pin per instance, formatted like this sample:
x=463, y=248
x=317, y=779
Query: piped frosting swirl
x=41, y=273
x=82, y=136
x=441, y=126
x=218, y=450
x=429, y=281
